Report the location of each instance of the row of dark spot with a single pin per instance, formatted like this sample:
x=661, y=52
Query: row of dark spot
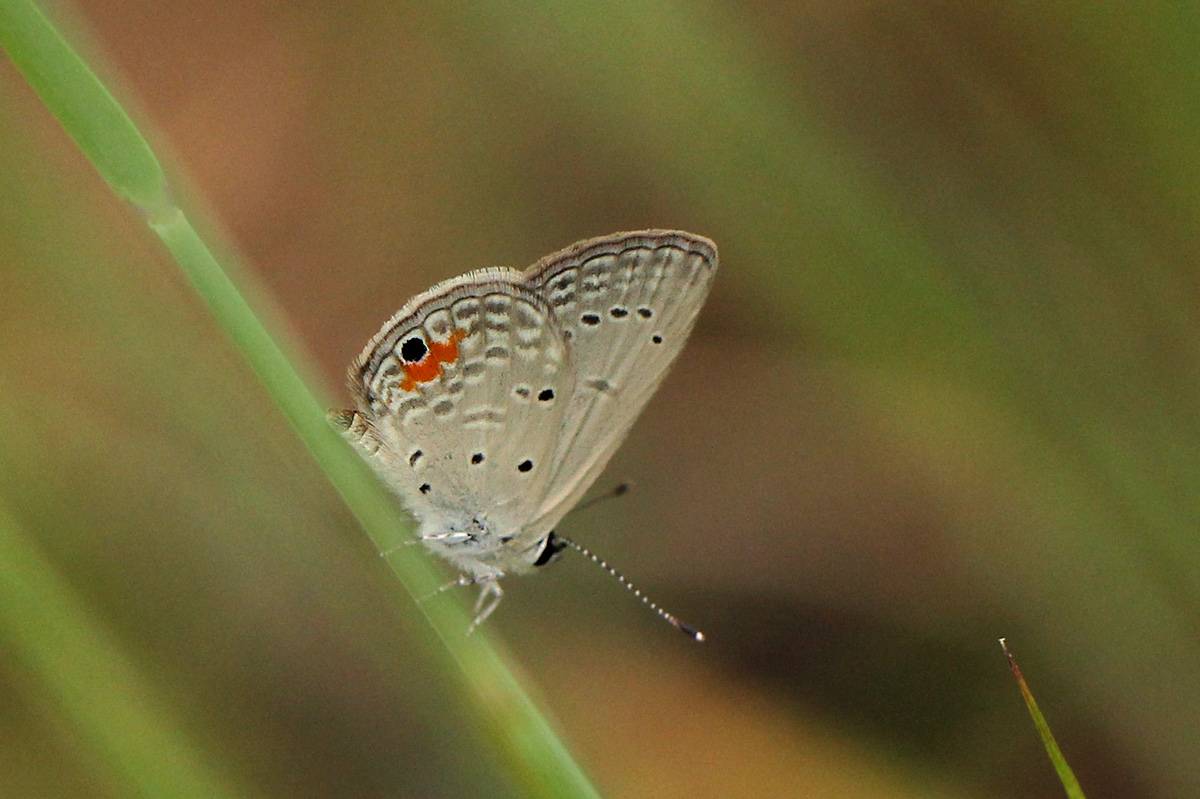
x=476, y=459
x=616, y=312
x=545, y=395
x=523, y=466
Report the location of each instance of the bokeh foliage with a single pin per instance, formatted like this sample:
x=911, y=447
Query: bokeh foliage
x=945, y=390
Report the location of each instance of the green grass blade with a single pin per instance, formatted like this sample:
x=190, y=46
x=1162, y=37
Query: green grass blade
x=82, y=670
x=94, y=119
x=1065, y=775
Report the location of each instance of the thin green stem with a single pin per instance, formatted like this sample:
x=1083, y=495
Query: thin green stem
x=1065, y=774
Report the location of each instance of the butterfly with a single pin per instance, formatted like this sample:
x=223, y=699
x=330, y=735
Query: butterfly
x=491, y=402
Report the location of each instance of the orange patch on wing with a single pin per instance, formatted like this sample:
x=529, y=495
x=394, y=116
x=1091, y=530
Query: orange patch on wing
x=430, y=367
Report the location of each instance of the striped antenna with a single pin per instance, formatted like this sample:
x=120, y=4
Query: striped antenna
x=669, y=618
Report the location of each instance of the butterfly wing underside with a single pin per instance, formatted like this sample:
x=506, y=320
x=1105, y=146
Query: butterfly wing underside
x=463, y=393
x=626, y=304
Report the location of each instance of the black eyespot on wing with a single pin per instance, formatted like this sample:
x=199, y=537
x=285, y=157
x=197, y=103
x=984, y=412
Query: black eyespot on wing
x=426, y=488
x=525, y=465
x=523, y=391
x=657, y=339
x=645, y=313
x=617, y=312
x=413, y=349
x=413, y=458
x=477, y=458
x=545, y=395
x=590, y=319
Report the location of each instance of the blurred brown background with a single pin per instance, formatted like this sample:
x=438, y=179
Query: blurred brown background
x=945, y=389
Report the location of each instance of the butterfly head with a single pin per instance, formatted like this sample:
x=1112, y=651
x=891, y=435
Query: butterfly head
x=551, y=547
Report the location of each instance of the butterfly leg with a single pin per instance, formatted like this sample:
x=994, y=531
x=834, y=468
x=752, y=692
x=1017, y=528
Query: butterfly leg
x=450, y=538
x=397, y=548
x=483, y=607
x=464, y=580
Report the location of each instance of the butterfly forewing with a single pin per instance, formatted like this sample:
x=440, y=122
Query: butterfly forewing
x=626, y=303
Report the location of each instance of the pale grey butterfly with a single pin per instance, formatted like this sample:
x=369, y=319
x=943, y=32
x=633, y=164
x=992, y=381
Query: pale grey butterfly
x=491, y=402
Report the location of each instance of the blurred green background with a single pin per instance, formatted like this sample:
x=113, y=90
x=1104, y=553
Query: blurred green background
x=945, y=390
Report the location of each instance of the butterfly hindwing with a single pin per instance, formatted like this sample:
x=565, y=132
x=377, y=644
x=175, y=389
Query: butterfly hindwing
x=465, y=391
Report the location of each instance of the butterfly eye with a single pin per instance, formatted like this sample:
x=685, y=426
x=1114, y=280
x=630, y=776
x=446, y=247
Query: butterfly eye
x=413, y=349
x=551, y=548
